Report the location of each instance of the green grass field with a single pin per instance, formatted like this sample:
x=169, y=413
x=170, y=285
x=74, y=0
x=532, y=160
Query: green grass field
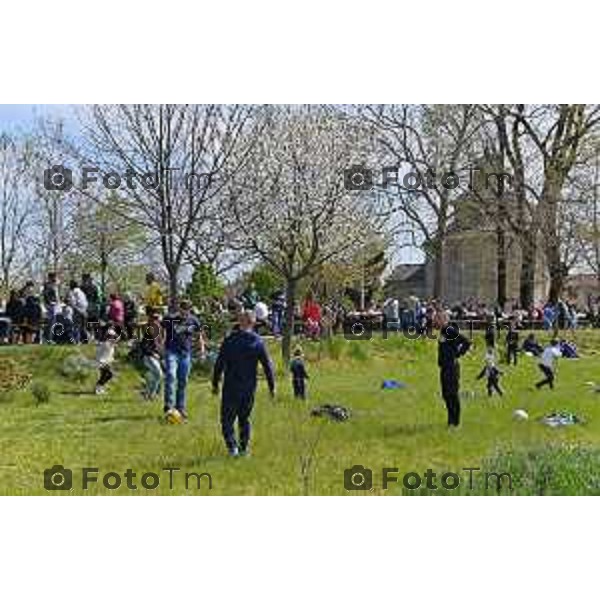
x=293, y=453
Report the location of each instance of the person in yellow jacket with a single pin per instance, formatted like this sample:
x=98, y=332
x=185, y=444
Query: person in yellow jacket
x=153, y=298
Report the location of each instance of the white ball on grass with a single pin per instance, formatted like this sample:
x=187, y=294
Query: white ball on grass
x=520, y=415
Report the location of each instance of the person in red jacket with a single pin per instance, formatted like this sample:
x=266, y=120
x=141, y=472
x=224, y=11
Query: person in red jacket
x=116, y=311
x=311, y=316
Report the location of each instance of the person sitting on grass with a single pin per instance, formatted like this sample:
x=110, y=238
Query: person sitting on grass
x=299, y=374
x=568, y=349
x=492, y=373
x=547, y=364
x=531, y=346
x=150, y=348
x=105, y=356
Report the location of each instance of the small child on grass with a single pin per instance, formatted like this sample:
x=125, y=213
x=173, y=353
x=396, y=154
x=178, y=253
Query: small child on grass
x=299, y=374
x=105, y=356
x=547, y=364
x=492, y=373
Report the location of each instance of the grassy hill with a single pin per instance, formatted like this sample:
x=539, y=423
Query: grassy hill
x=292, y=452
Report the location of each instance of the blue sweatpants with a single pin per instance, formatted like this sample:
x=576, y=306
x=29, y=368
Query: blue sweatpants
x=236, y=405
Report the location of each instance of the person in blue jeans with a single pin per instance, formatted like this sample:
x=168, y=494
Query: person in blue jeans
x=180, y=329
x=238, y=360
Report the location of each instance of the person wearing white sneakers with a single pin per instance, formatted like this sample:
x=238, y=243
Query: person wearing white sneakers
x=105, y=356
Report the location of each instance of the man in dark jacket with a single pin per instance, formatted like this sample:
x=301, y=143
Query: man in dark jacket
x=452, y=345
x=238, y=359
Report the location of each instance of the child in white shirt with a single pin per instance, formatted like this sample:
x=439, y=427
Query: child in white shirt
x=105, y=356
x=547, y=364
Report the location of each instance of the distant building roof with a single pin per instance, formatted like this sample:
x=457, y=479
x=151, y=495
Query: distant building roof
x=407, y=272
x=587, y=279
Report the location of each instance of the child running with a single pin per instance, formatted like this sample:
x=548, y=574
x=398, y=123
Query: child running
x=105, y=356
x=299, y=374
x=547, y=364
x=492, y=373
x=151, y=350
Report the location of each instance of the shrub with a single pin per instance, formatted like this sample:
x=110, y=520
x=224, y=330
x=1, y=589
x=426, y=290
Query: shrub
x=13, y=376
x=359, y=351
x=334, y=347
x=41, y=393
x=551, y=471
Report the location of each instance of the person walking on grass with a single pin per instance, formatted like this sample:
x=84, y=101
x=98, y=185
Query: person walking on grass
x=451, y=347
x=237, y=362
x=180, y=327
x=547, y=364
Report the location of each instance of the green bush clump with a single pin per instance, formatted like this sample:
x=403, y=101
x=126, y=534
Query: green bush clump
x=41, y=393
x=549, y=471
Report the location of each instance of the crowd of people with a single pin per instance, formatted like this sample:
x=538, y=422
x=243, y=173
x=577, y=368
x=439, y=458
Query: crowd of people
x=63, y=313
x=429, y=313
x=70, y=313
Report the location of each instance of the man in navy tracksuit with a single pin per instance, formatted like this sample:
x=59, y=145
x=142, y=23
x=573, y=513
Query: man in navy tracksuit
x=238, y=358
x=452, y=345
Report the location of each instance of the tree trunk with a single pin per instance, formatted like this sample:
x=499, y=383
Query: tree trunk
x=557, y=275
x=528, y=260
x=288, y=329
x=438, y=272
x=551, y=197
x=173, y=271
x=501, y=267
x=103, y=266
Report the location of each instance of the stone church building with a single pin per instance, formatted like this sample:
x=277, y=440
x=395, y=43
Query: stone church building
x=470, y=262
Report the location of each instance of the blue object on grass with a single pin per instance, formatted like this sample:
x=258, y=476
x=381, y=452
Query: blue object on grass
x=392, y=384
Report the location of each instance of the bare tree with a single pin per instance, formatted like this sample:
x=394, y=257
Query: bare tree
x=51, y=234
x=543, y=145
x=430, y=147
x=16, y=205
x=585, y=187
x=175, y=159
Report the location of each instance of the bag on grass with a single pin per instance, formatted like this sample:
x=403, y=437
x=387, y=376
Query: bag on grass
x=560, y=419
x=333, y=411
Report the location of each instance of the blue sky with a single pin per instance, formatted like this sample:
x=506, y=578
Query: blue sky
x=17, y=117
x=22, y=117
